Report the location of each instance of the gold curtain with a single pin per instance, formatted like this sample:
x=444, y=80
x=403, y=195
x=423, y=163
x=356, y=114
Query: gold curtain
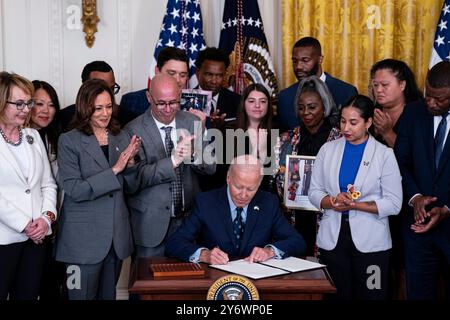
x=354, y=34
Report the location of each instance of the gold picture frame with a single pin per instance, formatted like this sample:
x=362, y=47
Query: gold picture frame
x=297, y=182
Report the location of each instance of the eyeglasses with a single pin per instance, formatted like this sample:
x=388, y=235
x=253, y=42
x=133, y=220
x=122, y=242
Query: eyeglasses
x=115, y=88
x=20, y=104
x=162, y=104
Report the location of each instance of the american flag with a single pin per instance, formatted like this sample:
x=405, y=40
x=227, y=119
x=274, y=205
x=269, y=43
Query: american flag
x=182, y=27
x=441, y=46
x=242, y=37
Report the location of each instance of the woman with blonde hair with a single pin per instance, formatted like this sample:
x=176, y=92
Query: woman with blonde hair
x=27, y=193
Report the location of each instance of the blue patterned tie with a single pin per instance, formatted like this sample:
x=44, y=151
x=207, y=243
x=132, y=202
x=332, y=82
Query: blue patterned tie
x=439, y=139
x=177, y=185
x=238, y=227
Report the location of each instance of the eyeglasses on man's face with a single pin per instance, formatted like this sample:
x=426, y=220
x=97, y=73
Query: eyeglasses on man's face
x=162, y=104
x=115, y=88
x=20, y=104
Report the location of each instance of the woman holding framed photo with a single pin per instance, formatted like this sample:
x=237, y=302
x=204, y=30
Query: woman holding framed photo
x=315, y=109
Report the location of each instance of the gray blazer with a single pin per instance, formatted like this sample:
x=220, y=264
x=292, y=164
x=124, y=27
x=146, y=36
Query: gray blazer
x=94, y=214
x=378, y=180
x=151, y=207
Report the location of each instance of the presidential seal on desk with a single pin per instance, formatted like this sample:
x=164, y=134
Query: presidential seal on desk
x=232, y=287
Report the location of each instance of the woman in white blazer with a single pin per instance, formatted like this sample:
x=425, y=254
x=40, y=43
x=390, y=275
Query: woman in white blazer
x=27, y=193
x=356, y=182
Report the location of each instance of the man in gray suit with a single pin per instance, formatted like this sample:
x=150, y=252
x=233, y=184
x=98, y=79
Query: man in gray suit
x=168, y=177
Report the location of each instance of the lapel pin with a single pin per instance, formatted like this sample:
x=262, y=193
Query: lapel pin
x=117, y=149
x=30, y=139
x=256, y=208
x=351, y=190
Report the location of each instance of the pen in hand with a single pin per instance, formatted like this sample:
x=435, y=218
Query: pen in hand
x=217, y=256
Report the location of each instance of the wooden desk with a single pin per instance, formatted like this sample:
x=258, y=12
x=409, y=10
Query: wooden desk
x=306, y=285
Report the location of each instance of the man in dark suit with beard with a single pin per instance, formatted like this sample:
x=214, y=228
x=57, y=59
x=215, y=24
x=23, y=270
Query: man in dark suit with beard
x=307, y=61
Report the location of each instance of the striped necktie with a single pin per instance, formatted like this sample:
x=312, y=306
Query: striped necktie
x=177, y=184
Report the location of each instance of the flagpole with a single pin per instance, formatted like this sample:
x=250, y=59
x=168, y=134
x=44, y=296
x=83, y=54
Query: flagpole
x=239, y=73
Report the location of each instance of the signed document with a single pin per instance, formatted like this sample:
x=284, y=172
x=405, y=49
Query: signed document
x=250, y=270
x=269, y=268
x=293, y=264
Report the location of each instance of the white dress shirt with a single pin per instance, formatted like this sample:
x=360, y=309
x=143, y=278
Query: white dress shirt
x=173, y=132
x=323, y=77
x=437, y=120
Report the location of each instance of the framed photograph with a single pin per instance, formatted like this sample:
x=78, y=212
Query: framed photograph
x=297, y=181
x=197, y=99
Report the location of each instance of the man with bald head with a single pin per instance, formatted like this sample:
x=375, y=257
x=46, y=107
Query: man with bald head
x=168, y=176
x=237, y=220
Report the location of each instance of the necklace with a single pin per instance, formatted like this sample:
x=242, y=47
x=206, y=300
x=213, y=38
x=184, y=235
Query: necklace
x=9, y=141
x=103, y=137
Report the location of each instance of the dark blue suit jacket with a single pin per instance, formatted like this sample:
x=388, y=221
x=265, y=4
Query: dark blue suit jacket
x=414, y=149
x=132, y=105
x=66, y=117
x=210, y=225
x=228, y=102
x=287, y=115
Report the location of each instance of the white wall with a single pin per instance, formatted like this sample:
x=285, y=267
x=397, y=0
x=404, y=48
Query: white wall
x=1, y=37
x=36, y=42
